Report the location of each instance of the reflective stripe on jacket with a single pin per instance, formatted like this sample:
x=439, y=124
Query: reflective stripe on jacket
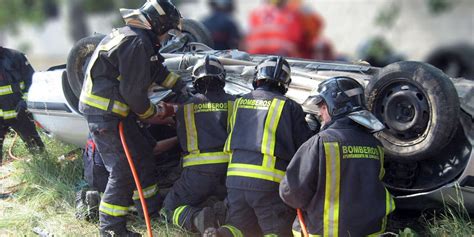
x=266, y=130
x=202, y=130
x=123, y=67
x=336, y=179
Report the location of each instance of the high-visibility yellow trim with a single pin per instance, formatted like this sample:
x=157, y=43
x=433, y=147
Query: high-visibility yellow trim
x=233, y=230
x=113, y=210
x=269, y=132
x=255, y=171
x=170, y=80
x=230, y=109
x=205, y=159
x=8, y=114
x=296, y=233
x=147, y=192
x=270, y=235
x=234, y=116
x=191, y=132
x=332, y=189
x=148, y=113
x=120, y=108
x=25, y=96
x=177, y=212
x=22, y=85
x=6, y=90
x=382, y=157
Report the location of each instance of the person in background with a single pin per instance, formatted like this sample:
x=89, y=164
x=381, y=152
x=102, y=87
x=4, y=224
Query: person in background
x=335, y=177
x=266, y=130
x=15, y=80
x=276, y=29
x=224, y=30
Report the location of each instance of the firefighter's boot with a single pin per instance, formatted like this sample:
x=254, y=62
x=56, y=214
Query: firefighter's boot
x=204, y=219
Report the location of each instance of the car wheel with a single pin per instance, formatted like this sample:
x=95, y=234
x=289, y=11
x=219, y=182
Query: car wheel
x=456, y=61
x=77, y=61
x=419, y=106
x=197, y=32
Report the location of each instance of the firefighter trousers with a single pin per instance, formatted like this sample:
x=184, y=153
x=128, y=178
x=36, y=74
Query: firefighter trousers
x=188, y=194
x=256, y=213
x=120, y=183
x=25, y=127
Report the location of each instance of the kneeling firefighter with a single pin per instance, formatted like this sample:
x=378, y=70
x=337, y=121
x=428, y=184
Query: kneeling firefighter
x=335, y=178
x=202, y=125
x=266, y=130
x=123, y=67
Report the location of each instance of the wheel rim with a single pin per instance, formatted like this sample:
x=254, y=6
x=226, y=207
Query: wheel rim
x=405, y=110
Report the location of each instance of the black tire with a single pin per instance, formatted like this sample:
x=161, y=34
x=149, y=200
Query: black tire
x=419, y=106
x=197, y=32
x=77, y=61
x=456, y=61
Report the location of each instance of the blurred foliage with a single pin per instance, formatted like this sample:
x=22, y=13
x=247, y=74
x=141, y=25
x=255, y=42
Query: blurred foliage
x=439, y=6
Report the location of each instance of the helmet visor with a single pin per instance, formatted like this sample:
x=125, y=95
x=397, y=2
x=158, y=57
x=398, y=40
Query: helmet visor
x=212, y=69
x=266, y=70
x=311, y=104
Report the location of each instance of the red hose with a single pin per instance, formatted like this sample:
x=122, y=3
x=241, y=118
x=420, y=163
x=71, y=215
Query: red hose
x=137, y=181
x=302, y=224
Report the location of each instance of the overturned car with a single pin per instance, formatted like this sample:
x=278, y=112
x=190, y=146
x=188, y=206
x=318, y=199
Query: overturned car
x=428, y=117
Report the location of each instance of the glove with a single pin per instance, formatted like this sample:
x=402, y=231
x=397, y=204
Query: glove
x=166, y=110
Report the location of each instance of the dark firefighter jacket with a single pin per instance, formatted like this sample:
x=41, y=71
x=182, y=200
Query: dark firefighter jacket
x=15, y=80
x=335, y=178
x=123, y=67
x=202, y=125
x=266, y=130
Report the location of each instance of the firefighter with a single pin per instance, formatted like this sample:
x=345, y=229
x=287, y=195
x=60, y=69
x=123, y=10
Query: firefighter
x=121, y=70
x=335, y=177
x=266, y=130
x=224, y=30
x=15, y=79
x=275, y=28
x=202, y=125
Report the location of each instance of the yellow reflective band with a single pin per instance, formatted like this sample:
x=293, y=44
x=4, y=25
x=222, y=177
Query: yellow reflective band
x=232, y=124
x=382, y=157
x=6, y=90
x=120, y=108
x=270, y=235
x=147, y=192
x=9, y=114
x=230, y=109
x=95, y=101
x=22, y=85
x=170, y=80
x=113, y=210
x=148, y=113
x=255, y=171
x=191, y=132
x=205, y=159
x=269, y=133
x=233, y=230
x=332, y=189
x=177, y=212
x=296, y=233
x=24, y=96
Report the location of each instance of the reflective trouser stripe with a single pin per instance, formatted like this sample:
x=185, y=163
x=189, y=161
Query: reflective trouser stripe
x=170, y=80
x=297, y=233
x=113, y=210
x=269, y=133
x=255, y=171
x=8, y=114
x=270, y=235
x=205, y=159
x=191, y=132
x=332, y=189
x=232, y=123
x=148, y=113
x=177, y=212
x=6, y=90
x=25, y=96
x=233, y=230
x=382, y=156
x=147, y=192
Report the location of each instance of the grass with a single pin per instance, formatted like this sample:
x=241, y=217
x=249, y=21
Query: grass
x=43, y=196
